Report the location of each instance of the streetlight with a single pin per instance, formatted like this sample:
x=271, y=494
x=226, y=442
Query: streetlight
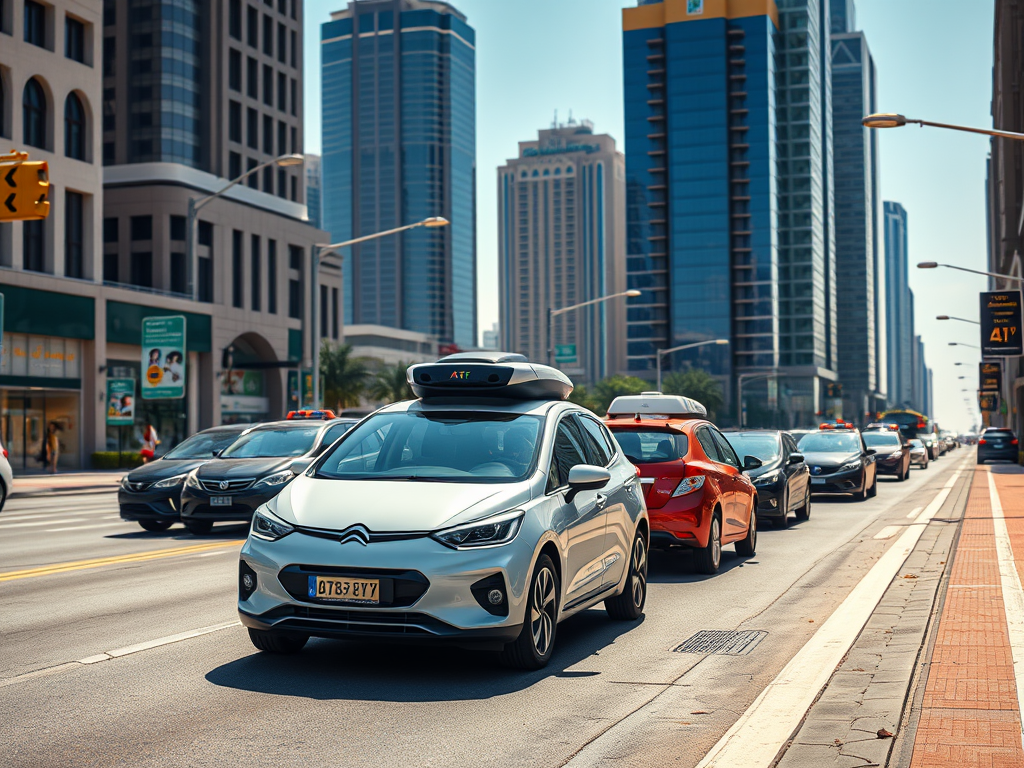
x=320, y=251
x=632, y=293
x=935, y=264
x=284, y=161
x=892, y=120
x=961, y=344
x=961, y=319
x=661, y=352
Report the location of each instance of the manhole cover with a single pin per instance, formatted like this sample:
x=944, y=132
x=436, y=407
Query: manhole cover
x=722, y=642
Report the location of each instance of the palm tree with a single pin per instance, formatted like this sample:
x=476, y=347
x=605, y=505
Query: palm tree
x=698, y=384
x=344, y=376
x=390, y=384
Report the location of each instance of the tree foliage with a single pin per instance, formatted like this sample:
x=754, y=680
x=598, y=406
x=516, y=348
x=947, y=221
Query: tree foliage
x=345, y=377
x=698, y=384
x=601, y=395
x=390, y=384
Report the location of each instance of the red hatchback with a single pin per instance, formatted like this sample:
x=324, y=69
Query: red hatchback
x=697, y=495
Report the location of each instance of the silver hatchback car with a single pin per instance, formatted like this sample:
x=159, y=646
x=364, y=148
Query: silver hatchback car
x=484, y=512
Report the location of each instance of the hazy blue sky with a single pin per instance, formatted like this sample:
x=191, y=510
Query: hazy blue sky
x=934, y=61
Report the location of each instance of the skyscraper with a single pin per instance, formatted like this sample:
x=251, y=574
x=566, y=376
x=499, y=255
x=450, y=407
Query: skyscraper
x=858, y=269
x=399, y=146
x=561, y=242
x=899, y=307
x=313, y=185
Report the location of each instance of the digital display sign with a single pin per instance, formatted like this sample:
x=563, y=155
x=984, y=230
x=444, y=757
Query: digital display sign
x=1001, y=324
x=990, y=376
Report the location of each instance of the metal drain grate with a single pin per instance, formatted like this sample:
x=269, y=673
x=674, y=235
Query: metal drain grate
x=722, y=642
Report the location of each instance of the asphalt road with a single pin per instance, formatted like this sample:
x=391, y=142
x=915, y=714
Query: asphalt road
x=614, y=694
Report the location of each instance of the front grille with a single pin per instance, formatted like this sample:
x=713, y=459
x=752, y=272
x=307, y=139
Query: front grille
x=398, y=589
x=344, y=621
x=233, y=486
x=159, y=507
x=137, y=487
x=823, y=471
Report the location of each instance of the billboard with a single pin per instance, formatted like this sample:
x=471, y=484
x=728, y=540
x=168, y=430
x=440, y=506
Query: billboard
x=163, y=358
x=120, y=402
x=1001, y=324
x=990, y=376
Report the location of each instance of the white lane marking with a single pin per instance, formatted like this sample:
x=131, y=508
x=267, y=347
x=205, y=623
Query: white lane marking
x=82, y=527
x=214, y=554
x=914, y=513
x=55, y=513
x=1013, y=594
x=150, y=644
x=45, y=522
x=754, y=741
x=888, y=532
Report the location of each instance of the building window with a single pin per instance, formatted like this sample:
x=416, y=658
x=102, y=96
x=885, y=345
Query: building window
x=74, y=234
x=253, y=179
x=235, y=70
x=35, y=23
x=295, y=258
x=74, y=39
x=109, y=56
x=178, y=228
x=295, y=9
x=282, y=184
x=268, y=180
x=142, y=269
x=252, y=118
x=256, y=274
x=295, y=299
x=282, y=93
x=236, y=269
x=295, y=140
x=268, y=134
x=234, y=165
x=235, y=19
x=253, y=75
x=268, y=85
x=235, y=122
x=295, y=97
x=142, y=227
x=295, y=189
x=110, y=230
x=253, y=24
x=272, y=276
x=33, y=103
x=179, y=275
x=268, y=35
x=282, y=47
x=110, y=268
x=323, y=312
x=74, y=127
x=295, y=49
x=33, y=246
x=334, y=313
x=282, y=132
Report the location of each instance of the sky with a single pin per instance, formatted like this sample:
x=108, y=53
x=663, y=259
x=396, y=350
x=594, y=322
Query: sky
x=933, y=61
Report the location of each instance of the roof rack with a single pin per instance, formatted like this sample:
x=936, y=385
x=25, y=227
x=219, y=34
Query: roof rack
x=499, y=375
x=657, y=404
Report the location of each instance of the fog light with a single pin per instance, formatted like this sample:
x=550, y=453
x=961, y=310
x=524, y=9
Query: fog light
x=248, y=582
x=774, y=502
x=494, y=597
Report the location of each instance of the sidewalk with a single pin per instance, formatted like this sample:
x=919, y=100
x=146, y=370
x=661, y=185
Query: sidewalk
x=71, y=482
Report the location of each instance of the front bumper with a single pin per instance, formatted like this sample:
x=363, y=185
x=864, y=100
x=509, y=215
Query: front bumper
x=919, y=459
x=850, y=481
x=442, y=607
x=163, y=504
x=195, y=503
x=770, y=499
x=890, y=466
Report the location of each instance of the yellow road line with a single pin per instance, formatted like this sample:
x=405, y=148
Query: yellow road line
x=78, y=565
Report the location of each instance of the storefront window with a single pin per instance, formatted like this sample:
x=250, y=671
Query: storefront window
x=25, y=416
x=243, y=397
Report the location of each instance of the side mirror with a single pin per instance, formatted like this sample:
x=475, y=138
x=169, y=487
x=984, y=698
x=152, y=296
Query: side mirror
x=299, y=466
x=796, y=458
x=585, y=477
x=751, y=462
x=872, y=451
x=217, y=453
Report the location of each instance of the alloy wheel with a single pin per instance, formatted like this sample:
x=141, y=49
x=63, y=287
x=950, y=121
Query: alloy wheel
x=542, y=611
x=639, y=572
x=716, y=542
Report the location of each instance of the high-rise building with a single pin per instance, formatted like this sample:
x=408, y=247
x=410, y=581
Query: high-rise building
x=899, y=307
x=491, y=338
x=561, y=242
x=313, y=184
x=399, y=146
x=922, y=385
x=729, y=197
x=860, y=346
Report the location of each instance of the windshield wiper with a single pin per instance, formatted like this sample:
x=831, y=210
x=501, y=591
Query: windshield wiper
x=416, y=478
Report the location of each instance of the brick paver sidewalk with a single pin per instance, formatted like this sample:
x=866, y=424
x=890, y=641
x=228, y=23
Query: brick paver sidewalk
x=970, y=714
x=65, y=483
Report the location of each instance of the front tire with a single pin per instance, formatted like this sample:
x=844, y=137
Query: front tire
x=629, y=606
x=708, y=559
x=804, y=513
x=873, y=490
x=198, y=527
x=783, y=522
x=154, y=526
x=536, y=641
x=747, y=546
x=277, y=642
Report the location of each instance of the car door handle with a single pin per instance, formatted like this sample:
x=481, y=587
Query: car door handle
x=600, y=500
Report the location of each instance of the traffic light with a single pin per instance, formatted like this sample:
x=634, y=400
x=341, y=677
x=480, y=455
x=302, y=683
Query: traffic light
x=24, y=188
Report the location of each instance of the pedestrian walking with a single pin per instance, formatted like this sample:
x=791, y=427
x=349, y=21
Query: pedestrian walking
x=150, y=440
x=52, y=447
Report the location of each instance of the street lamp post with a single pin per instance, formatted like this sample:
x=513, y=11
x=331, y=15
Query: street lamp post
x=284, y=161
x=961, y=344
x=662, y=352
x=891, y=120
x=552, y=313
x=961, y=319
x=997, y=275
x=320, y=252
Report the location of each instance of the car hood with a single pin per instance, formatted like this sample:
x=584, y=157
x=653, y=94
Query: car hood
x=242, y=469
x=393, y=505
x=829, y=459
x=161, y=469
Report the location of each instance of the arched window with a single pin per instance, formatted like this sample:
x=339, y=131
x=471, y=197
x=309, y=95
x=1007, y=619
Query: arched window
x=33, y=102
x=74, y=127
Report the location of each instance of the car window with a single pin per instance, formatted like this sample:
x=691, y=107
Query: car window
x=882, y=440
x=272, y=443
x=707, y=442
x=599, y=453
x=830, y=442
x=202, y=445
x=568, y=452
x=763, y=445
x=725, y=450
x=651, y=446
x=336, y=431
x=789, y=442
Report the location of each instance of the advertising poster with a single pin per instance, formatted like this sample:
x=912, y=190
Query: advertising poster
x=990, y=376
x=163, y=358
x=120, y=402
x=1001, y=324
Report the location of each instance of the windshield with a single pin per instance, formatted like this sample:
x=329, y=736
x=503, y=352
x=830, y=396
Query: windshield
x=764, y=446
x=649, y=446
x=881, y=440
x=202, y=446
x=829, y=442
x=273, y=443
x=915, y=443
x=450, y=447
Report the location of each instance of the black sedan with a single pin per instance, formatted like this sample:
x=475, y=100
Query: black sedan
x=998, y=443
x=253, y=470
x=892, y=452
x=151, y=494
x=840, y=462
x=783, y=479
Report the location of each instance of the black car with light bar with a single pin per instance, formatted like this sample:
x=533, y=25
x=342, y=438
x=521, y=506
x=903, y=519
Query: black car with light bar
x=840, y=461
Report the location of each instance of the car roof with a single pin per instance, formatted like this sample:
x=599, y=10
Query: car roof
x=737, y=431
x=227, y=428
x=650, y=421
x=483, y=405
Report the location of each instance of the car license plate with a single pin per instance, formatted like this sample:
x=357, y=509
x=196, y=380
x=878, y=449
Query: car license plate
x=220, y=501
x=818, y=480
x=365, y=591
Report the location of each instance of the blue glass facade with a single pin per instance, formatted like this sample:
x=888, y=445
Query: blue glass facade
x=399, y=145
x=899, y=308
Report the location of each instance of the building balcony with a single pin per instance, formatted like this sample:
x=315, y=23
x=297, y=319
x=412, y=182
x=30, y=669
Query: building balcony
x=656, y=187
x=656, y=42
x=656, y=71
x=656, y=152
x=657, y=238
x=656, y=135
x=736, y=164
x=657, y=204
x=738, y=111
x=736, y=49
x=658, y=169
x=655, y=102
x=656, y=57
x=656, y=118
x=653, y=86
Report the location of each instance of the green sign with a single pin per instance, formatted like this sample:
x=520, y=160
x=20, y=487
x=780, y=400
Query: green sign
x=1, y=323
x=120, y=402
x=565, y=353
x=163, y=357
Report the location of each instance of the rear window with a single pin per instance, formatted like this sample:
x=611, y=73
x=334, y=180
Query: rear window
x=650, y=446
x=881, y=440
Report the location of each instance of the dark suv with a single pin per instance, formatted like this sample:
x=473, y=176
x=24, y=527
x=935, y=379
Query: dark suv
x=783, y=479
x=892, y=451
x=998, y=443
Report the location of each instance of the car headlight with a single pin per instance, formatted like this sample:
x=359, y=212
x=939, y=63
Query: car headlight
x=171, y=482
x=768, y=478
x=192, y=481
x=278, y=478
x=125, y=484
x=895, y=454
x=688, y=485
x=491, y=532
x=851, y=465
x=268, y=527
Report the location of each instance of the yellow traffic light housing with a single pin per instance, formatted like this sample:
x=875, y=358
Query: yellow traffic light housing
x=24, y=188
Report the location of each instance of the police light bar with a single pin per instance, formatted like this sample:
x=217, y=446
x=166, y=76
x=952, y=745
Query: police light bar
x=488, y=374
x=322, y=415
x=837, y=425
x=657, y=405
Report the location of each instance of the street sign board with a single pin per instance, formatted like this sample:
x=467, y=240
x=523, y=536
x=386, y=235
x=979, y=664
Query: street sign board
x=120, y=402
x=1001, y=324
x=565, y=353
x=990, y=376
x=163, y=357
x=988, y=401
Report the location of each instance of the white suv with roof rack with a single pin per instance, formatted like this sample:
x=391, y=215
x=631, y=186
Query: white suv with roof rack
x=485, y=512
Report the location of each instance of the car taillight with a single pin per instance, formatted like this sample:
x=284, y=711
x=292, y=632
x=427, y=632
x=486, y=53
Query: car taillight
x=1012, y=442
x=982, y=441
x=688, y=485
x=6, y=455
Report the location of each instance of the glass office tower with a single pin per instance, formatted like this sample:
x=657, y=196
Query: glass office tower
x=899, y=308
x=399, y=145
